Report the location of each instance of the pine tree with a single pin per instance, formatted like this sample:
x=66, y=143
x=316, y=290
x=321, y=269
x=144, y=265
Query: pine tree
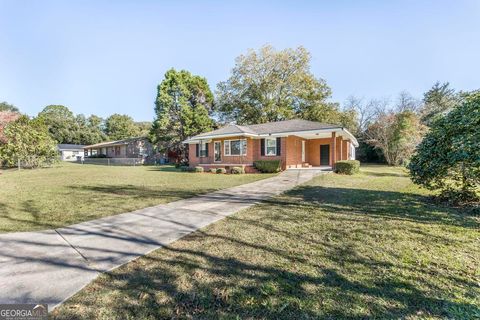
x=183, y=107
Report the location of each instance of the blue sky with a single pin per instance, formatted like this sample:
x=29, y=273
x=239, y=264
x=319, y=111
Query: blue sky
x=107, y=57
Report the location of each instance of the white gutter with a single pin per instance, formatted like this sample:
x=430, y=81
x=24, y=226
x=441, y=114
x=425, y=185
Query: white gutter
x=279, y=134
x=202, y=138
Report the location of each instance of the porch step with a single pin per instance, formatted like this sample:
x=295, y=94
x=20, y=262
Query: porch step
x=299, y=166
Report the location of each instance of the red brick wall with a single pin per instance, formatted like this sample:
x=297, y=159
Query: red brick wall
x=313, y=150
x=248, y=159
x=253, y=153
x=291, y=152
x=345, y=149
x=294, y=150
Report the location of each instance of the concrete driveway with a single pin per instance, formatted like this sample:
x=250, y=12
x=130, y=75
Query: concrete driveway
x=50, y=266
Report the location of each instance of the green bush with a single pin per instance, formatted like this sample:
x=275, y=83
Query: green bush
x=347, y=166
x=99, y=156
x=448, y=158
x=267, y=166
x=198, y=169
x=238, y=170
x=187, y=169
x=221, y=170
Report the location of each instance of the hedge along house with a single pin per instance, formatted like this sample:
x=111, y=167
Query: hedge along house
x=296, y=143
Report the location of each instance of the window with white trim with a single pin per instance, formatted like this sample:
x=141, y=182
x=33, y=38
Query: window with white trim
x=235, y=147
x=270, y=146
x=202, y=149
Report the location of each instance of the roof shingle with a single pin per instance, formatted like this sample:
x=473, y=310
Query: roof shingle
x=269, y=127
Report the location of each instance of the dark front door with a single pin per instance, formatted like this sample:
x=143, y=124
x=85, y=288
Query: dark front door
x=324, y=154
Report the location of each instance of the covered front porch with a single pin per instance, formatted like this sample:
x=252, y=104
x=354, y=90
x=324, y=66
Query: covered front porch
x=318, y=150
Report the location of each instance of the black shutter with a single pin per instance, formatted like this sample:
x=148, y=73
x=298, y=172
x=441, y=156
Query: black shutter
x=197, y=150
x=262, y=147
x=279, y=146
x=206, y=149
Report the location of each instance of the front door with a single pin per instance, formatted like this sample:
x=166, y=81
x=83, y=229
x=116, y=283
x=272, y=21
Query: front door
x=324, y=154
x=217, y=151
x=303, y=150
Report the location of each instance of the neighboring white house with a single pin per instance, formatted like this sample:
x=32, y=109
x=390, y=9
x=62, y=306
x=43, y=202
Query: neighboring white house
x=70, y=152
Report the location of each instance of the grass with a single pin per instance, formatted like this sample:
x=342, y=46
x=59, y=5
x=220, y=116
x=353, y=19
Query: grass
x=70, y=193
x=339, y=247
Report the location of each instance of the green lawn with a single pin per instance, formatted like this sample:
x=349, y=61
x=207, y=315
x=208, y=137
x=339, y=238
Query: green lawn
x=70, y=193
x=368, y=246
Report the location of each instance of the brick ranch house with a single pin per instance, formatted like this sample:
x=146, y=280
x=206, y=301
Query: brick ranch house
x=296, y=143
x=138, y=147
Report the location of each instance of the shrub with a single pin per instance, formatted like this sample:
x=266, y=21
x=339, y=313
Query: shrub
x=267, y=166
x=448, y=159
x=238, y=170
x=187, y=169
x=98, y=156
x=221, y=170
x=198, y=169
x=213, y=170
x=27, y=141
x=347, y=166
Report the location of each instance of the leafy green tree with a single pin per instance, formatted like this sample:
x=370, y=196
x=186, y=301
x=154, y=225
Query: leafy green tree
x=90, y=130
x=120, y=126
x=27, y=141
x=271, y=85
x=144, y=127
x=183, y=107
x=61, y=123
x=5, y=106
x=448, y=159
x=438, y=101
x=396, y=135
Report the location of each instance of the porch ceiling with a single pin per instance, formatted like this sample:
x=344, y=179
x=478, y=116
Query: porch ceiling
x=319, y=135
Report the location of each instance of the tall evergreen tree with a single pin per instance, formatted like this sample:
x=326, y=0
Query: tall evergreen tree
x=183, y=107
x=438, y=101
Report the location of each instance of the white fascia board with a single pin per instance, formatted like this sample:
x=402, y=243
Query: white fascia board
x=218, y=136
x=352, y=137
x=296, y=133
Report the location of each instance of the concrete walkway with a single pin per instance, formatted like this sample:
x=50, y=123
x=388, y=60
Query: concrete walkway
x=50, y=266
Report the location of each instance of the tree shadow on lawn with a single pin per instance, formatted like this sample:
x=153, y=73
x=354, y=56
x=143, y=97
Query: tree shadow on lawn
x=165, y=168
x=196, y=278
x=382, y=204
x=156, y=287
x=138, y=192
x=30, y=208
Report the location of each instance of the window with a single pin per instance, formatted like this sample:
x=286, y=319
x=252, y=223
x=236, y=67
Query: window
x=235, y=147
x=270, y=146
x=203, y=149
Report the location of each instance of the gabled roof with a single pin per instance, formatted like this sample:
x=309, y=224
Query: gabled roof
x=278, y=127
x=293, y=125
x=227, y=130
x=269, y=127
x=114, y=143
x=66, y=146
